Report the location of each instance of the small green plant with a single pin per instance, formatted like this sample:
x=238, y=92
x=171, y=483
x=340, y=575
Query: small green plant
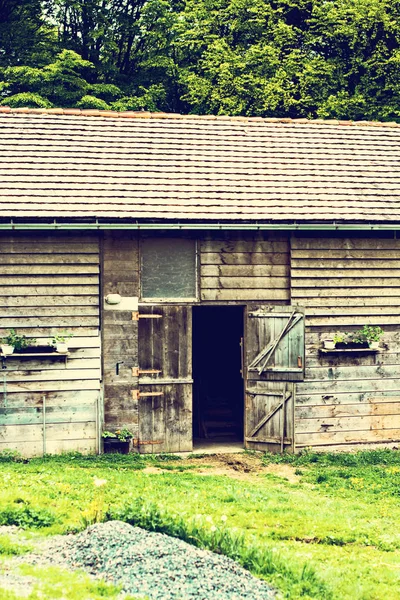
x=19, y=342
x=371, y=333
x=123, y=435
x=61, y=337
x=26, y=516
x=340, y=338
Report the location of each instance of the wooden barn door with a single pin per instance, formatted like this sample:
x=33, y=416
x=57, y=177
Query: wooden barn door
x=274, y=360
x=165, y=379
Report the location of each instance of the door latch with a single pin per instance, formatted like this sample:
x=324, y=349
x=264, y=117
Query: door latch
x=120, y=362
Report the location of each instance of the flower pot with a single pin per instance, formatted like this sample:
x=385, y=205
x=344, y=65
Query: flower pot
x=329, y=344
x=7, y=349
x=62, y=347
x=114, y=445
x=374, y=345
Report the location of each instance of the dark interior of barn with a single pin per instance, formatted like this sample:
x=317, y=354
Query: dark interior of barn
x=218, y=404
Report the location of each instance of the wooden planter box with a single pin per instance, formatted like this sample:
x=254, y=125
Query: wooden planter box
x=115, y=446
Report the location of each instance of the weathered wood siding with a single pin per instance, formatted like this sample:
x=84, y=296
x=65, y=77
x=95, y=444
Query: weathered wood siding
x=345, y=281
x=50, y=283
x=120, y=275
x=245, y=266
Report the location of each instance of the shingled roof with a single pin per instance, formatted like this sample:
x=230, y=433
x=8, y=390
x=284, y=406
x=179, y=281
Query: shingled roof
x=98, y=164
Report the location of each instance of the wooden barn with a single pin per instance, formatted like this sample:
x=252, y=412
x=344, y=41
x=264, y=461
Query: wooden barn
x=200, y=264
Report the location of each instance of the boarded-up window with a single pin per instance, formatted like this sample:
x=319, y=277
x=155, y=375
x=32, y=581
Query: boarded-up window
x=168, y=268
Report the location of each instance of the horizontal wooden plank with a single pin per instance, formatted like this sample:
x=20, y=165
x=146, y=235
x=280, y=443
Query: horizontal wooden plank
x=354, y=372
x=49, y=332
x=348, y=254
x=357, y=385
x=47, y=269
x=50, y=311
x=244, y=258
x=84, y=413
x=51, y=364
x=244, y=270
x=53, y=398
x=365, y=282
x=50, y=237
x=345, y=292
x=52, y=375
x=35, y=448
x=352, y=310
x=49, y=301
x=244, y=283
x=333, y=301
x=242, y=294
x=314, y=358
x=25, y=433
x=353, y=423
x=49, y=259
x=322, y=398
x=344, y=243
x=353, y=320
x=54, y=247
x=35, y=280
x=348, y=410
x=335, y=274
x=234, y=246
x=345, y=263
x=29, y=387
x=49, y=290
x=50, y=321
x=346, y=437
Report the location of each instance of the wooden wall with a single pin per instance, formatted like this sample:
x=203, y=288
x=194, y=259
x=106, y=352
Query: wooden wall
x=50, y=283
x=345, y=281
x=120, y=275
x=245, y=266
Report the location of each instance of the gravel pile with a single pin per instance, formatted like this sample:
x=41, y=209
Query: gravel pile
x=155, y=565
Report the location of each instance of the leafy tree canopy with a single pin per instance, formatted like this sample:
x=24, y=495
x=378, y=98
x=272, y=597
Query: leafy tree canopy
x=297, y=58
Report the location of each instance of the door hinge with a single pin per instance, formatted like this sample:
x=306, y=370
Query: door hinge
x=136, y=395
x=136, y=316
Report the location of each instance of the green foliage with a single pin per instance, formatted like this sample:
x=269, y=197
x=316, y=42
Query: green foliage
x=256, y=557
x=26, y=99
x=26, y=517
x=8, y=455
x=123, y=435
x=20, y=342
x=10, y=548
x=92, y=102
x=335, y=519
x=296, y=58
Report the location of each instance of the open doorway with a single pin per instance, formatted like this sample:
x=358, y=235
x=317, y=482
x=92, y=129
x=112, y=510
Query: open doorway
x=218, y=395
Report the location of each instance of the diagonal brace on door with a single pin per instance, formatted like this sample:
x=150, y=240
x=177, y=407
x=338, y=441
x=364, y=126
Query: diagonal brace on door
x=268, y=352
x=285, y=398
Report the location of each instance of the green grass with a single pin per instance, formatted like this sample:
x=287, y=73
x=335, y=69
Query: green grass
x=332, y=534
x=55, y=583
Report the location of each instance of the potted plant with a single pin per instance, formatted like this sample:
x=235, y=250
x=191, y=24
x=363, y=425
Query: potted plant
x=329, y=343
x=60, y=341
x=117, y=441
x=14, y=342
x=372, y=334
x=340, y=340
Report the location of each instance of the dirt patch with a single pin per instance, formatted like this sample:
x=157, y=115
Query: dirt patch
x=152, y=470
x=240, y=466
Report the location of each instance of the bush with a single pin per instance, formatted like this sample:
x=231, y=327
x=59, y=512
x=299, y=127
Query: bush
x=92, y=102
x=27, y=517
x=26, y=99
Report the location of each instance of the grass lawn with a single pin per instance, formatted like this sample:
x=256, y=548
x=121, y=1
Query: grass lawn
x=316, y=526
